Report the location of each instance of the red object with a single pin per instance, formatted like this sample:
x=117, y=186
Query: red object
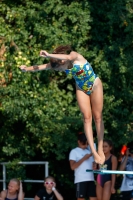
x=123, y=150
x=80, y=72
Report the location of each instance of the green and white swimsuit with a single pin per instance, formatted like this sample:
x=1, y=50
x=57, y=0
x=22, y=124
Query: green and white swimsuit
x=84, y=76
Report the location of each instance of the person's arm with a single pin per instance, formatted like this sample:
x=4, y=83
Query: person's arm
x=21, y=193
x=72, y=56
x=124, y=162
x=3, y=195
x=36, y=198
x=113, y=176
x=57, y=194
x=74, y=164
x=35, y=68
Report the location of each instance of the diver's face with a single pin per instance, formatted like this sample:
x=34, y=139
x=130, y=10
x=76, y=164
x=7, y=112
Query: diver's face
x=62, y=66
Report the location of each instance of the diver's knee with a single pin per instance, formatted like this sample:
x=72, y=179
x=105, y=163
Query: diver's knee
x=87, y=119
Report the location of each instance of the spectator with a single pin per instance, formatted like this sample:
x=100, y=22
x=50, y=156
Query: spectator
x=106, y=182
x=127, y=165
x=14, y=191
x=81, y=159
x=49, y=191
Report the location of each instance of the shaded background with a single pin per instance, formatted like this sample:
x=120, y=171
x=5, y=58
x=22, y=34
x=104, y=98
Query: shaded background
x=39, y=116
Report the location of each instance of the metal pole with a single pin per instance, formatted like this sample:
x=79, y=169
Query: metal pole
x=46, y=169
x=25, y=163
x=4, y=177
x=109, y=171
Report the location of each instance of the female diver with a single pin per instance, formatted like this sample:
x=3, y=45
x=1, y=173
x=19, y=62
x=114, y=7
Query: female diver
x=89, y=90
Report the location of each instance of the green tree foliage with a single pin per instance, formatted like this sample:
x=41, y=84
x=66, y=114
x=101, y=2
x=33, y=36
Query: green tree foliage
x=38, y=111
x=112, y=39
x=38, y=103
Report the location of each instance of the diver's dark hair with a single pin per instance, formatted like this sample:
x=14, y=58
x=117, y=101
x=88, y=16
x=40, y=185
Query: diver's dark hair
x=62, y=49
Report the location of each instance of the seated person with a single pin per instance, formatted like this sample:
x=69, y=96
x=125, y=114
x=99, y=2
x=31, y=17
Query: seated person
x=49, y=192
x=14, y=191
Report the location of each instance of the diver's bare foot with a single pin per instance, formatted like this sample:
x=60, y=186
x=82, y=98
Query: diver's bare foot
x=97, y=158
x=102, y=156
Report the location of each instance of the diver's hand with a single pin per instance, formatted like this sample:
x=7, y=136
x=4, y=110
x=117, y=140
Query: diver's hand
x=44, y=54
x=23, y=68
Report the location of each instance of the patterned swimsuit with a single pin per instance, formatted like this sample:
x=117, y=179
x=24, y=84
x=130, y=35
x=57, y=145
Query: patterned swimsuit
x=84, y=76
